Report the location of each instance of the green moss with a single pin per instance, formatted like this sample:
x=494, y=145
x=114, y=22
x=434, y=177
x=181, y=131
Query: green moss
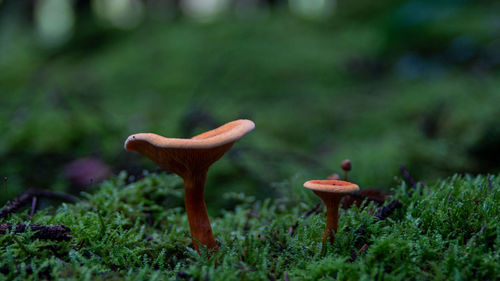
x=139, y=231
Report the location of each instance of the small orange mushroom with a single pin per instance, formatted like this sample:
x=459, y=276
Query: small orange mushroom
x=190, y=159
x=331, y=192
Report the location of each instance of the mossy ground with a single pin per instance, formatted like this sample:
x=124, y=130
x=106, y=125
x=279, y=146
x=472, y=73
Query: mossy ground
x=139, y=231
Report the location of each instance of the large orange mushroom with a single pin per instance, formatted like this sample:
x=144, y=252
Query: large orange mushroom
x=331, y=192
x=190, y=159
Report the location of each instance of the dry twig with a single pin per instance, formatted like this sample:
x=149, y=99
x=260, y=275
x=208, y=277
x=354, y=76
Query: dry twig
x=50, y=232
x=28, y=196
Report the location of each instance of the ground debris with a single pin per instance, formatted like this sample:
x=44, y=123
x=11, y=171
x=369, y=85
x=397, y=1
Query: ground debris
x=50, y=232
x=27, y=197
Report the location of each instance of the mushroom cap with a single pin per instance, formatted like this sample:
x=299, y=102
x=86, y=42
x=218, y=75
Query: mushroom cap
x=187, y=156
x=229, y=132
x=331, y=186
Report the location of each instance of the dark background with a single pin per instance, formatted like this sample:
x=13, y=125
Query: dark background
x=384, y=83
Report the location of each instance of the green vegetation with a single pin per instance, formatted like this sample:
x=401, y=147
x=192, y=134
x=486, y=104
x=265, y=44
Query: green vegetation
x=378, y=85
x=138, y=231
x=383, y=83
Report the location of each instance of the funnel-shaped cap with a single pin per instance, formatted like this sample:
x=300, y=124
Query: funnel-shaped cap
x=329, y=188
x=186, y=157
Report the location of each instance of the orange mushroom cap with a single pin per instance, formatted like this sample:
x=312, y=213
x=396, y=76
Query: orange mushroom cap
x=331, y=186
x=183, y=156
x=224, y=134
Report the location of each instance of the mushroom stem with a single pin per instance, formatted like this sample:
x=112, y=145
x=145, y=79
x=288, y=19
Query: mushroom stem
x=199, y=223
x=332, y=218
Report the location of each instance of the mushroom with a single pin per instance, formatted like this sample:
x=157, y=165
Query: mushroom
x=190, y=159
x=331, y=192
x=346, y=167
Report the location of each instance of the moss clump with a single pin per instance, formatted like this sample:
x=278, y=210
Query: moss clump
x=139, y=231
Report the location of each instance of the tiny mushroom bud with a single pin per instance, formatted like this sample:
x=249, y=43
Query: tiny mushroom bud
x=331, y=191
x=346, y=166
x=190, y=159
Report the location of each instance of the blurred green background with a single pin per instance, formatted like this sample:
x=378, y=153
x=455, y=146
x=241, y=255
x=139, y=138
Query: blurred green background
x=383, y=83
